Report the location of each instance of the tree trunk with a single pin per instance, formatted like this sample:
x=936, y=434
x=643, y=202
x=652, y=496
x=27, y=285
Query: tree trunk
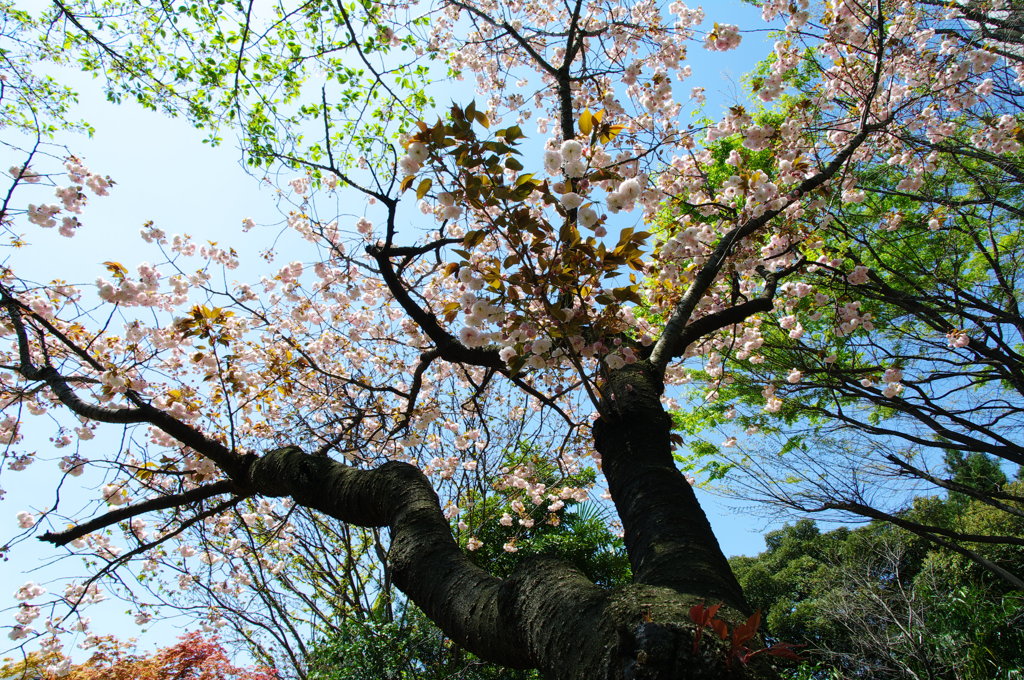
x=548, y=615
x=668, y=537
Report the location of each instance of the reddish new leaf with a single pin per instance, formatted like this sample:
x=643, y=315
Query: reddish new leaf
x=785, y=650
x=745, y=632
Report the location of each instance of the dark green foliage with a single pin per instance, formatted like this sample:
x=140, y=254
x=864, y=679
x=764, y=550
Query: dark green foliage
x=577, y=534
x=879, y=602
x=410, y=646
x=581, y=538
x=976, y=471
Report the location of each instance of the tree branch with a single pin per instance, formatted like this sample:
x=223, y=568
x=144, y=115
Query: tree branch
x=935, y=535
x=226, y=459
x=667, y=345
x=150, y=505
x=987, y=497
x=448, y=346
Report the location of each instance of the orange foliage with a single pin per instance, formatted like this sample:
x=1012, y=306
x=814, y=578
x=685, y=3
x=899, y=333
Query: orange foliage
x=192, y=658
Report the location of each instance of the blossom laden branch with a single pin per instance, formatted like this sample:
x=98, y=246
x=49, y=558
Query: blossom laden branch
x=229, y=461
x=448, y=346
x=667, y=344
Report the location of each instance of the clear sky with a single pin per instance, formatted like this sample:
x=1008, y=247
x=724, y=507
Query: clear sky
x=165, y=174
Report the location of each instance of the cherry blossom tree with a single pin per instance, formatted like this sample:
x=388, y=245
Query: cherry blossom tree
x=555, y=299
x=936, y=283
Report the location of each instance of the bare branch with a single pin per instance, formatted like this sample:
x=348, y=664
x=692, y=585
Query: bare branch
x=149, y=505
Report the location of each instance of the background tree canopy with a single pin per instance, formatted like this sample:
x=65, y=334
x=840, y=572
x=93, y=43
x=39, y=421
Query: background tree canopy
x=879, y=601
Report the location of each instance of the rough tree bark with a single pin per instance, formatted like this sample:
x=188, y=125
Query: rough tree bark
x=547, y=615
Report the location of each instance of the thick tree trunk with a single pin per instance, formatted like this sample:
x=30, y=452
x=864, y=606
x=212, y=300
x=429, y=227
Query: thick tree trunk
x=547, y=615
x=668, y=537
